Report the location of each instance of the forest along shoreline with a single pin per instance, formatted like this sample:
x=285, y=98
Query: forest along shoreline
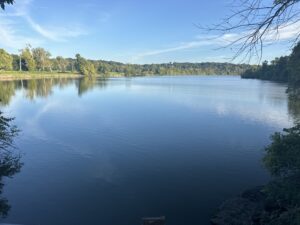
x=38, y=60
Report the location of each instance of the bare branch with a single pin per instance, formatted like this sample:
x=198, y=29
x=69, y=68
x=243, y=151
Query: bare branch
x=257, y=22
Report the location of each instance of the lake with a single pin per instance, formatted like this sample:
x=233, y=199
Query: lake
x=113, y=151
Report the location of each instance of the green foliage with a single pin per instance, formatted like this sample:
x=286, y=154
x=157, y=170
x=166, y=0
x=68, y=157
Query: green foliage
x=41, y=58
x=283, y=154
x=106, y=67
x=84, y=66
x=284, y=69
x=16, y=62
x=28, y=62
x=5, y=60
x=60, y=64
x=3, y=2
x=284, y=192
x=282, y=159
x=294, y=64
x=38, y=59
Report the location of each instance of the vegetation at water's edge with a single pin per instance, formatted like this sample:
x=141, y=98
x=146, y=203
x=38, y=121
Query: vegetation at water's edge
x=39, y=60
x=284, y=69
x=278, y=202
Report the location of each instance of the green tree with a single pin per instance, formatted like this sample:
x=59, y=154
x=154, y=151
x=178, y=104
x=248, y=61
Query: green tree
x=85, y=67
x=283, y=154
x=61, y=63
x=282, y=159
x=41, y=58
x=294, y=66
x=6, y=60
x=28, y=62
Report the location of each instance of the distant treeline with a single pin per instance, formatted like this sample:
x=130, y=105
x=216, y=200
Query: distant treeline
x=283, y=69
x=38, y=59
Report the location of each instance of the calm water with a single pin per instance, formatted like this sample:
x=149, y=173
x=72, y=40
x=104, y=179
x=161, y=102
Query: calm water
x=111, y=152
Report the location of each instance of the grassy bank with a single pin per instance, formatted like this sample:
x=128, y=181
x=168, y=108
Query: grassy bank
x=24, y=75
x=16, y=75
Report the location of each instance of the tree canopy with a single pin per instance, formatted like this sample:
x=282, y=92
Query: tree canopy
x=39, y=59
x=285, y=69
x=283, y=154
x=28, y=62
x=84, y=66
x=5, y=60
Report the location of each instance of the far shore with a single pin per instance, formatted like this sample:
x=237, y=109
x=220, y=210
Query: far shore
x=13, y=75
x=7, y=76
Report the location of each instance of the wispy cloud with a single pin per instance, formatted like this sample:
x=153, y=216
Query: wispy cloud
x=12, y=35
x=55, y=34
x=285, y=33
x=11, y=39
x=199, y=41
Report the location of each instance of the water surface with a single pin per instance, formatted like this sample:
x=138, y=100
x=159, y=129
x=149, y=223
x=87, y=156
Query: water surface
x=113, y=151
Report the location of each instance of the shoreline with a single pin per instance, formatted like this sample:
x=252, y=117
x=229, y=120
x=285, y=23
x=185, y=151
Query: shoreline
x=30, y=76
x=7, y=76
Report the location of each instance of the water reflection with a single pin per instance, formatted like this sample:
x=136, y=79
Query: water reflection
x=89, y=83
x=9, y=161
x=149, y=143
x=294, y=109
x=35, y=88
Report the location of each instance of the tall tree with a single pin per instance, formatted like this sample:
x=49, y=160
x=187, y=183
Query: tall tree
x=41, y=57
x=5, y=60
x=61, y=63
x=84, y=67
x=28, y=62
x=294, y=65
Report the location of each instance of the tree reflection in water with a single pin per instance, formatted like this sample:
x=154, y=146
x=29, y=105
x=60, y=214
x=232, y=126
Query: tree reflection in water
x=44, y=87
x=9, y=161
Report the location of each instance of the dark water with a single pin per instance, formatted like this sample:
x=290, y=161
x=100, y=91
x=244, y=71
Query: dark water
x=113, y=151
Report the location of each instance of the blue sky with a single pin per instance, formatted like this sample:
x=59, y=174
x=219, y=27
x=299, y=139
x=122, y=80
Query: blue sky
x=134, y=31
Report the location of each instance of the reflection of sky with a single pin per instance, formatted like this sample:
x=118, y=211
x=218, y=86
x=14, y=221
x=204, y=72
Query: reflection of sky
x=259, y=101
x=250, y=100
x=143, y=134
x=94, y=113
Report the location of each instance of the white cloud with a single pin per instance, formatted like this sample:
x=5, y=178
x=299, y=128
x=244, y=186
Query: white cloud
x=285, y=33
x=55, y=34
x=11, y=39
x=200, y=41
x=11, y=34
